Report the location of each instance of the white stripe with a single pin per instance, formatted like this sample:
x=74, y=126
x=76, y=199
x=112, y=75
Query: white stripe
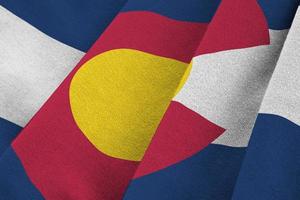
x=227, y=87
x=283, y=93
x=32, y=65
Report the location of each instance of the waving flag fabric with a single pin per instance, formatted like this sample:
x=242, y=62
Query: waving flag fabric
x=221, y=97
x=41, y=42
x=273, y=153
x=143, y=76
x=162, y=106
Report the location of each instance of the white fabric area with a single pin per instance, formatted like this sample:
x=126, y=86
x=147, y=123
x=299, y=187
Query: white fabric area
x=32, y=65
x=227, y=87
x=283, y=93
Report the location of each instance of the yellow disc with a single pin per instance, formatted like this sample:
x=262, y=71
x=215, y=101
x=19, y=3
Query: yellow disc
x=119, y=97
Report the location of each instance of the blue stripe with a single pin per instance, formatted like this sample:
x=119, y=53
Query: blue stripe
x=279, y=13
x=14, y=183
x=208, y=175
x=77, y=23
x=190, y=10
x=8, y=132
x=271, y=169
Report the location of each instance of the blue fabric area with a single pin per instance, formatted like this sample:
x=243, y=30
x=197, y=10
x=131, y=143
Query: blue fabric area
x=279, y=13
x=8, y=132
x=77, y=23
x=191, y=10
x=271, y=168
x=14, y=183
x=208, y=175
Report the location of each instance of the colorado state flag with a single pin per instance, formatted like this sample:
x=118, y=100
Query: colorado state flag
x=173, y=100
